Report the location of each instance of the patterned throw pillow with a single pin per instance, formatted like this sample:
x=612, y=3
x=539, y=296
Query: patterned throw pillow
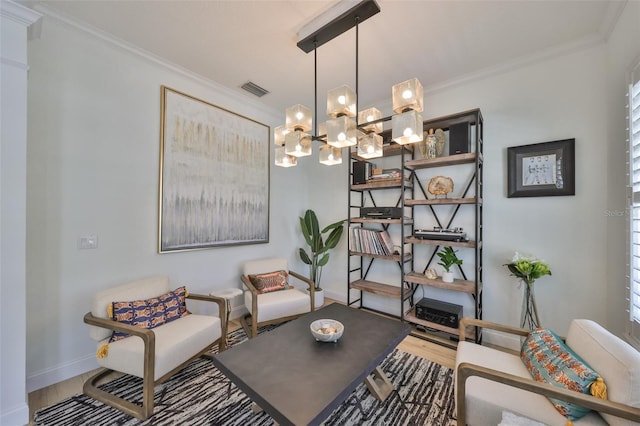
x=550, y=360
x=150, y=313
x=271, y=281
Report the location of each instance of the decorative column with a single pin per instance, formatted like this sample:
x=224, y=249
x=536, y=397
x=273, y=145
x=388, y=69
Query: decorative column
x=15, y=21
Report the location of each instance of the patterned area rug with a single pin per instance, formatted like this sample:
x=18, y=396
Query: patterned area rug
x=201, y=395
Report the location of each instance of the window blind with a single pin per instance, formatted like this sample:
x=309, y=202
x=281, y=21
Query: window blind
x=634, y=172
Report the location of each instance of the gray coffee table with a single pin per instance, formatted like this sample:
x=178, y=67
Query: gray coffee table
x=299, y=381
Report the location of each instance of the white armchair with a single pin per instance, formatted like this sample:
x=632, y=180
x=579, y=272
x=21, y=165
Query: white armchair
x=277, y=306
x=153, y=354
x=490, y=382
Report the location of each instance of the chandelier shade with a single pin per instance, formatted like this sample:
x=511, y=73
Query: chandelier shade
x=342, y=132
x=279, y=134
x=407, y=127
x=297, y=143
x=370, y=146
x=284, y=160
x=341, y=101
x=322, y=129
x=407, y=95
x=367, y=116
x=298, y=117
x=330, y=155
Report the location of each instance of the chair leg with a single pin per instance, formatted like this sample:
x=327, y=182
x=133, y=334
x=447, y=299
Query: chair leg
x=245, y=325
x=140, y=412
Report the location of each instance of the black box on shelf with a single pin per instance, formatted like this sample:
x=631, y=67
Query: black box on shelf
x=443, y=313
x=361, y=172
x=381, y=212
x=459, y=138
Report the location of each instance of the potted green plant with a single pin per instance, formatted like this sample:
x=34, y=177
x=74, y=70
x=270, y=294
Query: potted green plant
x=318, y=255
x=448, y=258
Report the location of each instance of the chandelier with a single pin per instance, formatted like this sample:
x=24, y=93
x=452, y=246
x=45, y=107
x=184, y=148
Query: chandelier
x=347, y=126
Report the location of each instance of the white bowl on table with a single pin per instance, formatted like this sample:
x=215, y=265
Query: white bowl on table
x=326, y=330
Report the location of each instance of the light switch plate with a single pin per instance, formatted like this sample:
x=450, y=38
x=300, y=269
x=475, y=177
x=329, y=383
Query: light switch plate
x=88, y=242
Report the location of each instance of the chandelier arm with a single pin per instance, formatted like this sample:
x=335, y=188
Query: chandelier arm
x=315, y=89
x=357, y=70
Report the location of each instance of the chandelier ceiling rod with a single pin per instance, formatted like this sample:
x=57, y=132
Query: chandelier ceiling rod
x=315, y=91
x=357, y=20
x=338, y=25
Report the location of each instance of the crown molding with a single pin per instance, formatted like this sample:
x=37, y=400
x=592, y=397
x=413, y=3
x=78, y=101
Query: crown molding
x=523, y=61
x=611, y=18
x=18, y=13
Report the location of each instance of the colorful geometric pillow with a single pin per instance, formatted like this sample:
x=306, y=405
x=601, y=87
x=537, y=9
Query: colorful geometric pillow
x=174, y=304
x=271, y=281
x=550, y=360
x=150, y=313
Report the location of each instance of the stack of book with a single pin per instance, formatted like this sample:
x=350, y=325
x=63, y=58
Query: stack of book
x=372, y=241
x=384, y=174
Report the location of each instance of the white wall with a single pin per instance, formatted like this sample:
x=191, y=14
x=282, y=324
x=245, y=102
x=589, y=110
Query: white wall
x=93, y=162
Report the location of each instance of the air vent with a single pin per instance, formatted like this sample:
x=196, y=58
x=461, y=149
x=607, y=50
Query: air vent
x=255, y=89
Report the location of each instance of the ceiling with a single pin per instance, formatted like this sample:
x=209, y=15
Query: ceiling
x=439, y=42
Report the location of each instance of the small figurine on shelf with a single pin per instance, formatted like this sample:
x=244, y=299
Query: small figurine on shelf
x=440, y=185
x=431, y=274
x=448, y=258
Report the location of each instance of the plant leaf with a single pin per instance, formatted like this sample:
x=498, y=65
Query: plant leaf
x=323, y=260
x=304, y=257
x=334, y=237
x=311, y=221
x=305, y=231
x=333, y=225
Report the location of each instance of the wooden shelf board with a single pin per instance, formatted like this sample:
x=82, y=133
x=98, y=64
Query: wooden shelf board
x=396, y=257
x=457, y=285
x=407, y=220
x=450, y=160
x=377, y=288
x=381, y=184
x=438, y=201
x=414, y=240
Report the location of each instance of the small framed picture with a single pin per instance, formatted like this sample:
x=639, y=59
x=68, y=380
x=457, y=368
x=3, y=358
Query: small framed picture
x=541, y=169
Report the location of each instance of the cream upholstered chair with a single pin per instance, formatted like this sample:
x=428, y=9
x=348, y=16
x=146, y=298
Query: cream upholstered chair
x=153, y=354
x=491, y=382
x=277, y=306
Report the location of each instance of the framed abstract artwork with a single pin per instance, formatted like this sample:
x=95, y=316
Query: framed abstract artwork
x=214, y=176
x=541, y=169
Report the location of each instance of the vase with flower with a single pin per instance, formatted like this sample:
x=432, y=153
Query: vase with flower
x=528, y=269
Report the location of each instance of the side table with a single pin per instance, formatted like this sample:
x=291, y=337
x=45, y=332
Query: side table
x=228, y=294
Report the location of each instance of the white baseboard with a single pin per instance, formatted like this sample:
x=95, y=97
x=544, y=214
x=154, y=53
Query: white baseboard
x=51, y=376
x=338, y=296
x=17, y=416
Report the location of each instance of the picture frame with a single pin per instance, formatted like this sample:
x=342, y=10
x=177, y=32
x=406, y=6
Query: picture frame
x=541, y=169
x=214, y=176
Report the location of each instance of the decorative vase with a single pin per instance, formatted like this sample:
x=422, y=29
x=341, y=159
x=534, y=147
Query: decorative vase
x=318, y=298
x=529, y=317
x=428, y=145
x=447, y=277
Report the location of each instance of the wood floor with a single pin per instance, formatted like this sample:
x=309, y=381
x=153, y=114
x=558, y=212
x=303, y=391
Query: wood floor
x=59, y=391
